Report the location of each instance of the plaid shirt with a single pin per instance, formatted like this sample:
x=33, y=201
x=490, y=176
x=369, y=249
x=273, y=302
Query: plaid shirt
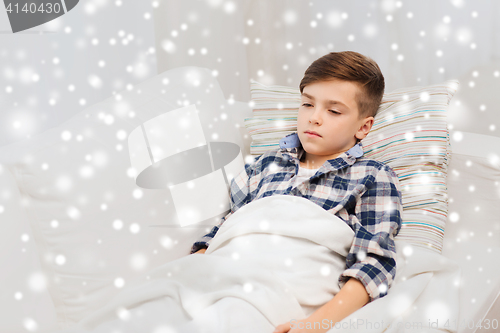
x=363, y=192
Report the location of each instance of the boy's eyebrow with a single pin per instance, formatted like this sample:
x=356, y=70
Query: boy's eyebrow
x=329, y=102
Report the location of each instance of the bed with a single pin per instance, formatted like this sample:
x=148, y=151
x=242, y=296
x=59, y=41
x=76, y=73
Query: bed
x=88, y=212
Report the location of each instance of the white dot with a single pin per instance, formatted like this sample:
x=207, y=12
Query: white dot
x=73, y=212
x=408, y=250
x=247, y=287
x=37, y=282
x=134, y=228
x=394, y=46
x=30, y=324
x=325, y=270
x=119, y=282
x=117, y=224
x=166, y=242
x=264, y=225
x=131, y=172
x=60, y=259
x=137, y=193
x=229, y=7
x=138, y=261
x=122, y=312
x=361, y=255
x=424, y=96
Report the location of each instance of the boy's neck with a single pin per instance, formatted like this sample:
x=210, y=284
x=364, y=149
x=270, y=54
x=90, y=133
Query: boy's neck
x=314, y=163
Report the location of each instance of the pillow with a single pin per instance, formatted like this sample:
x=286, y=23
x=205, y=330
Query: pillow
x=409, y=134
x=94, y=228
x=472, y=238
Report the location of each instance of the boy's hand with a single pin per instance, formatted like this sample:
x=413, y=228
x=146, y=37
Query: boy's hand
x=200, y=251
x=301, y=326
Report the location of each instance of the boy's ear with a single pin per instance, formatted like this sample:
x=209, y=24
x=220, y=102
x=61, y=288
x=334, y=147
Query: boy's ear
x=365, y=128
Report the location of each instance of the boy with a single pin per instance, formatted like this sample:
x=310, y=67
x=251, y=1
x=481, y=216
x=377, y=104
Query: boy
x=323, y=162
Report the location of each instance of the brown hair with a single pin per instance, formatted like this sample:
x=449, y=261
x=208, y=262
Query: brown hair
x=354, y=67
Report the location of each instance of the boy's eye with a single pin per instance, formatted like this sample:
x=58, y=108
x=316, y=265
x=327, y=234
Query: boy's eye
x=307, y=105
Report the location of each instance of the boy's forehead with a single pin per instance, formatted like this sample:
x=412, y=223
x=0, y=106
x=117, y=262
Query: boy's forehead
x=342, y=99
x=329, y=101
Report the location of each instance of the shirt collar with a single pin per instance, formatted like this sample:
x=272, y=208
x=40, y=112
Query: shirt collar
x=291, y=144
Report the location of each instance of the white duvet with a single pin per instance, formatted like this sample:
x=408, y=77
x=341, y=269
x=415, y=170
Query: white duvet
x=274, y=260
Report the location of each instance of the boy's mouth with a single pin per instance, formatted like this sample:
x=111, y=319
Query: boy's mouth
x=312, y=134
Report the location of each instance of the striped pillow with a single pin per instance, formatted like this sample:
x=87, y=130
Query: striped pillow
x=409, y=134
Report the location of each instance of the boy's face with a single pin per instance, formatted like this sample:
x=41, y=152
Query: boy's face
x=337, y=123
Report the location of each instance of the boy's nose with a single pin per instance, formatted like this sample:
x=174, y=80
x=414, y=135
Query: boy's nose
x=315, y=116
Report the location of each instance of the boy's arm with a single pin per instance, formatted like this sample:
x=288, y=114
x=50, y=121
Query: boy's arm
x=204, y=241
x=240, y=196
x=350, y=298
x=377, y=220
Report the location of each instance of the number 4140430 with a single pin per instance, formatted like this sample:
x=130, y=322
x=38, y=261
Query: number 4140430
x=32, y=8
x=486, y=324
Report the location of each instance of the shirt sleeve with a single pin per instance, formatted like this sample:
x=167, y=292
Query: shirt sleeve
x=240, y=196
x=377, y=220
